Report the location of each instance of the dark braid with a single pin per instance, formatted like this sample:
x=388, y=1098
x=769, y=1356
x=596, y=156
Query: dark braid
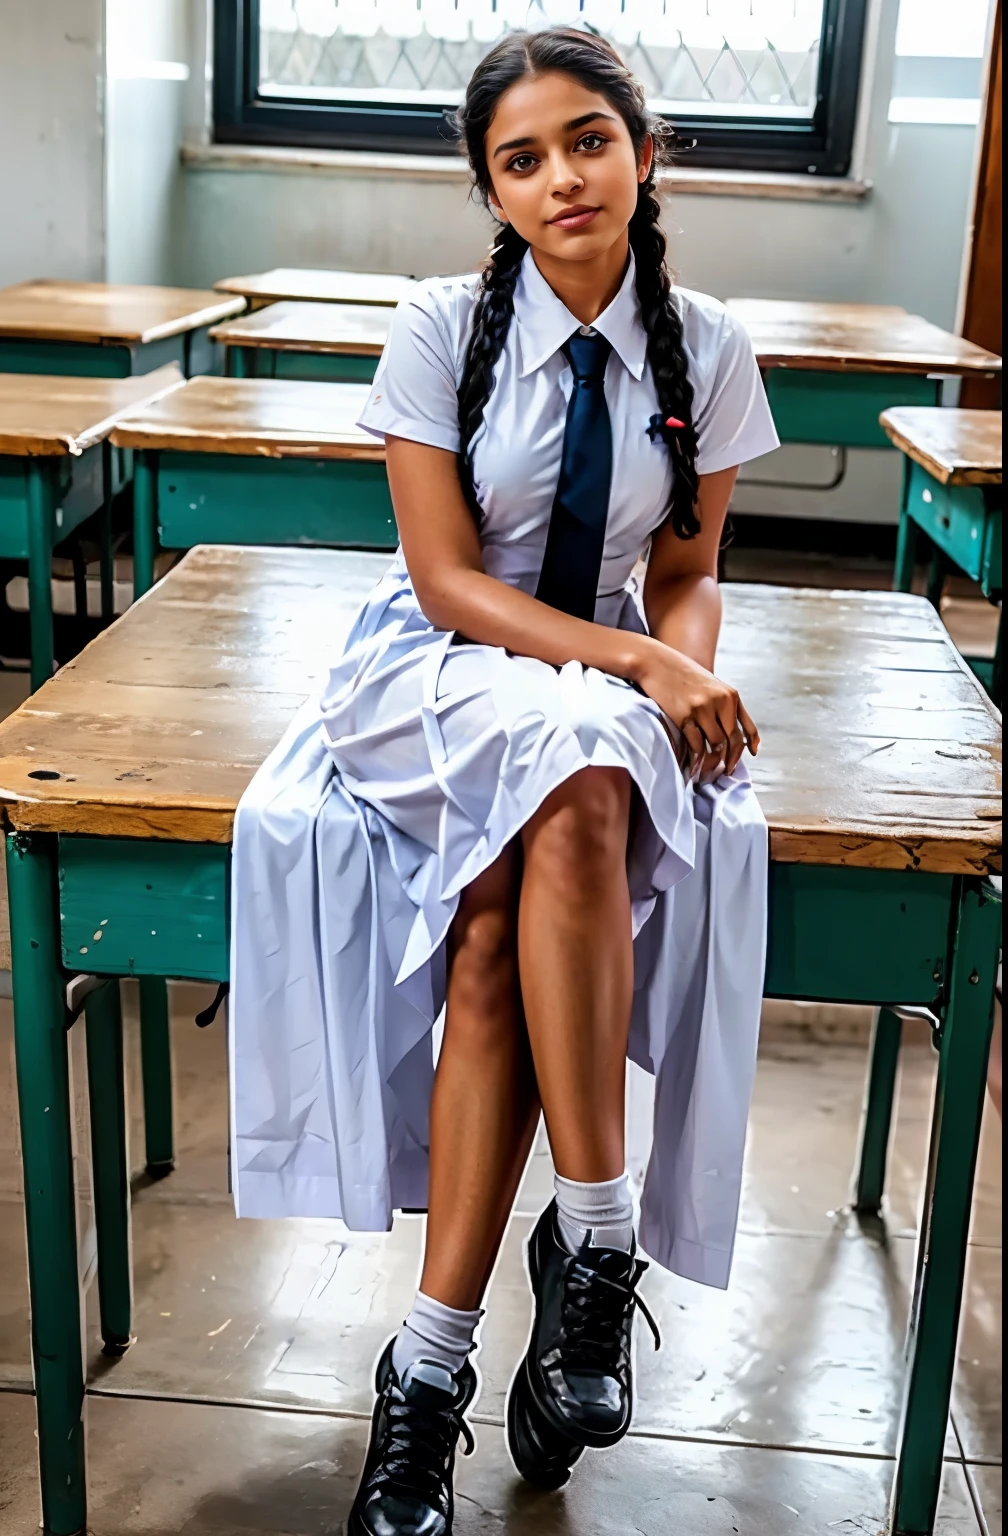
x=663, y=324
x=596, y=64
x=491, y=320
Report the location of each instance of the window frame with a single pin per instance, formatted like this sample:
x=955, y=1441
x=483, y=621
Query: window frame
x=822, y=146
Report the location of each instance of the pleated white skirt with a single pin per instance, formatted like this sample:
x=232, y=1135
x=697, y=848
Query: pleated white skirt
x=383, y=801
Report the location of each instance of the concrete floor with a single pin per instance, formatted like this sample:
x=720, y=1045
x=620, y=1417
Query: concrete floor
x=773, y=1407
x=242, y=1408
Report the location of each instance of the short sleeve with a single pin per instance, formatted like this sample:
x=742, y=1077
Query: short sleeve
x=414, y=390
x=731, y=413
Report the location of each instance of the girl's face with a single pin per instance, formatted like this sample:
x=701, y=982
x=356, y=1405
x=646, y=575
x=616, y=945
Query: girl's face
x=562, y=167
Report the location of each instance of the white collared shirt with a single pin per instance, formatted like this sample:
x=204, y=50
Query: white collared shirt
x=517, y=450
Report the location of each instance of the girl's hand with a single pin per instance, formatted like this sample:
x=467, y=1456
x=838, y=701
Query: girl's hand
x=714, y=722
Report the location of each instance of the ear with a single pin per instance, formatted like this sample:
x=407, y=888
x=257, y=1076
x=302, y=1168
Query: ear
x=495, y=207
x=646, y=159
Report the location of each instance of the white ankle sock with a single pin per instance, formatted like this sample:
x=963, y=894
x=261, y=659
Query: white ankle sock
x=435, y=1332
x=605, y=1210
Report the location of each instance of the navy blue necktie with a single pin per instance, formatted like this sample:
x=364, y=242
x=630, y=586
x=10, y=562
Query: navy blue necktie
x=576, y=538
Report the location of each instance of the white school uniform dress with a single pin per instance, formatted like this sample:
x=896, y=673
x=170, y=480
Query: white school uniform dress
x=423, y=758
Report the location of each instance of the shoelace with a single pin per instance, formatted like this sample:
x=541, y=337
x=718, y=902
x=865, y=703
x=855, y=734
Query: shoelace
x=418, y=1445
x=594, y=1308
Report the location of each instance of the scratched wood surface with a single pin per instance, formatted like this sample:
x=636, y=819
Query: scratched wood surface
x=127, y=313
x=42, y=414
x=322, y=284
x=274, y=418
x=346, y=329
x=857, y=338
x=879, y=748
x=956, y=447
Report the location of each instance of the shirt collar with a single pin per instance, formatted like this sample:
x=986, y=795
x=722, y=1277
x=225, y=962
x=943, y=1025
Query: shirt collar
x=545, y=323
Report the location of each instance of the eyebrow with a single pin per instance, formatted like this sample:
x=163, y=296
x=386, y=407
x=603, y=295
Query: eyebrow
x=575, y=123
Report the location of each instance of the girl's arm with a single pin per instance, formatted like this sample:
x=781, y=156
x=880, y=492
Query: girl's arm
x=442, y=552
x=682, y=601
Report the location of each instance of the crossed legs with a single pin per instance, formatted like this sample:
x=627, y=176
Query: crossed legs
x=538, y=1013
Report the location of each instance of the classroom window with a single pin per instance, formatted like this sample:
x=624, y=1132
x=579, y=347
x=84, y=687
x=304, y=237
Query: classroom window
x=938, y=74
x=753, y=84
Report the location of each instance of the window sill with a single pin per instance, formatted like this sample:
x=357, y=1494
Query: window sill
x=453, y=168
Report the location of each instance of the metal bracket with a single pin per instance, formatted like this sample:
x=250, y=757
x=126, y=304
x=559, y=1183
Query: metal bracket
x=79, y=989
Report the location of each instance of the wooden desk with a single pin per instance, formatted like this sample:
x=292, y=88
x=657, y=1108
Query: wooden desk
x=108, y=330
x=879, y=775
x=321, y=284
x=55, y=472
x=951, y=493
x=255, y=461
x=337, y=342
x=829, y=369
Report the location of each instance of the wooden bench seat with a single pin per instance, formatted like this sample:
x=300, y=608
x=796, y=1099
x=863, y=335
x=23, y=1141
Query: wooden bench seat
x=830, y=369
x=323, y=284
x=336, y=342
x=56, y=471
x=879, y=749
x=952, y=494
x=108, y=329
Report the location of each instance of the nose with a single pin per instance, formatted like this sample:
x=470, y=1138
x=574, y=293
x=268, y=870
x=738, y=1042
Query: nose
x=564, y=176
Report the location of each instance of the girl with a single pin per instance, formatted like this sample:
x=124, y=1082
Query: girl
x=522, y=799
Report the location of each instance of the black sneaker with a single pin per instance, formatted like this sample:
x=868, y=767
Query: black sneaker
x=575, y=1384
x=406, y=1485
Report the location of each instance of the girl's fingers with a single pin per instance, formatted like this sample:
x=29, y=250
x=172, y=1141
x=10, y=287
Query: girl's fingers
x=735, y=750
x=749, y=726
x=695, y=738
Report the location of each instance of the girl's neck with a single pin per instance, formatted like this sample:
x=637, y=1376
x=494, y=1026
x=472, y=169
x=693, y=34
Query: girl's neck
x=586, y=287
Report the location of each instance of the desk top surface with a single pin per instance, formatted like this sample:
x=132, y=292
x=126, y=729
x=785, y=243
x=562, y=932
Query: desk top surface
x=956, y=447
x=856, y=338
x=109, y=313
x=322, y=284
x=347, y=329
x=879, y=747
x=271, y=418
x=42, y=415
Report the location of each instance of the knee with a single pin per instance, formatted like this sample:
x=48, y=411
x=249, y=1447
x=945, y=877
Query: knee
x=578, y=838
x=483, y=950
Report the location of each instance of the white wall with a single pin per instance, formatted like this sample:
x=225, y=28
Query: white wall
x=148, y=44
x=51, y=139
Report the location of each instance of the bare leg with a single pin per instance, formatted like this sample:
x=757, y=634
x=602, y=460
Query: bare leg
x=485, y=1108
x=576, y=962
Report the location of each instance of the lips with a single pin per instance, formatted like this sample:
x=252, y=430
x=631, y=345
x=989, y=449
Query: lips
x=575, y=218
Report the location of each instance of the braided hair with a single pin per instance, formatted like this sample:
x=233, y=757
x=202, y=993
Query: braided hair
x=593, y=61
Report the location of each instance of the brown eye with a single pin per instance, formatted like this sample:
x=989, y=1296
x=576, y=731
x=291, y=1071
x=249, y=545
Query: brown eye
x=521, y=163
x=592, y=141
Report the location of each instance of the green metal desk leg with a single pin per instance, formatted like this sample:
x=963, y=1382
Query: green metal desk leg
x=40, y=1047
x=155, y=1055
x=40, y=522
x=955, y=1134
x=937, y=572
x=906, y=540
x=241, y=362
x=110, y=1166
x=876, y=1115
x=144, y=521
x=105, y=552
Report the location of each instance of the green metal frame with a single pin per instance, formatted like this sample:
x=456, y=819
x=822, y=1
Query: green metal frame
x=841, y=409
x=162, y=909
x=282, y=363
x=42, y=501
x=963, y=526
x=192, y=350
x=184, y=499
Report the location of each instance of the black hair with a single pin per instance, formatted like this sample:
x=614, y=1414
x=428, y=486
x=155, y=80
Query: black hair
x=596, y=64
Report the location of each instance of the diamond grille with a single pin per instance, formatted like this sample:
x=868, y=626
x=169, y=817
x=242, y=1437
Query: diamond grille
x=750, y=56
